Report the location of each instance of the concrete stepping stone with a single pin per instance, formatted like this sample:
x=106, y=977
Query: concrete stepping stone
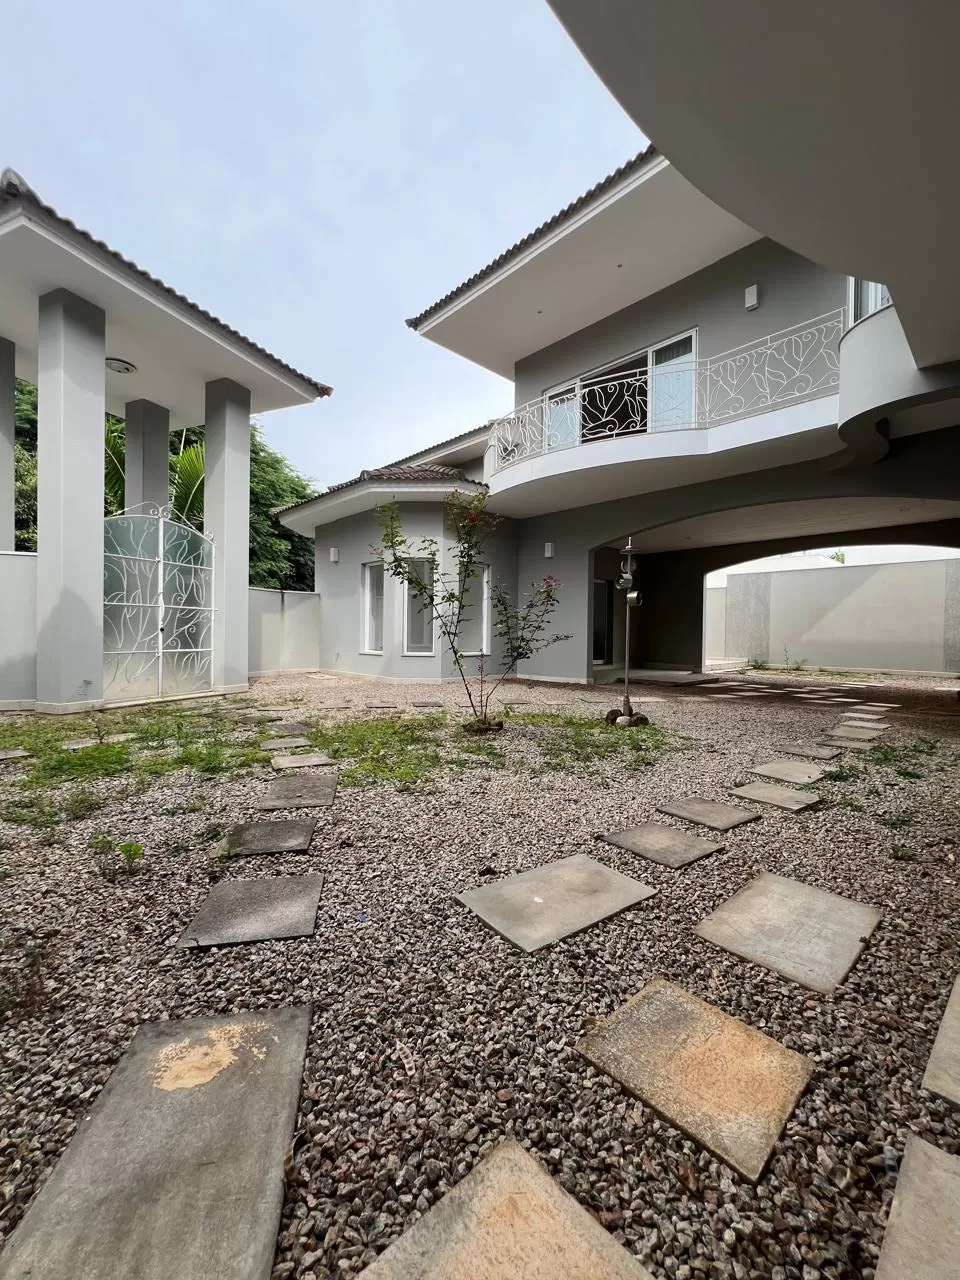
x=868, y=717
x=81, y=744
x=666, y=845
x=177, y=1168
x=255, y=911
x=541, y=906
x=303, y=791
x=727, y=1085
x=251, y=838
x=15, y=753
x=922, y=1239
x=432, y=704
x=266, y=717
x=382, y=706
x=804, y=933
x=295, y=728
x=847, y=745
x=788, y=771
x=780, y=797
x=812, y=750
x=506, y=1220
x=283, y=711
x=708, y=813
x=856, y=701
x=309, y=760
x=942, y=1075
x=853, y=734
x=818, y=702
x=880, y=706
x=284, y=744
x=855, y=723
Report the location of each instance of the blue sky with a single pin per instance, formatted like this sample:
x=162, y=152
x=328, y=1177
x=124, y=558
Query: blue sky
x=314, y=173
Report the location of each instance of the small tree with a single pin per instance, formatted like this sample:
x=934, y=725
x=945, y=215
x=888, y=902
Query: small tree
x=443, y=592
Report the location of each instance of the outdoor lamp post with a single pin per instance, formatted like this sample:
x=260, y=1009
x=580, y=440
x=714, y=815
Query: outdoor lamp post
x=632, y=598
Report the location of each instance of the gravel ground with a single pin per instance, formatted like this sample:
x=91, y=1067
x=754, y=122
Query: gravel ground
x=433, y=1039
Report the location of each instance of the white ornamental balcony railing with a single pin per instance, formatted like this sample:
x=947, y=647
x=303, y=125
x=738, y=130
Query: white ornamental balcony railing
x=678, y=393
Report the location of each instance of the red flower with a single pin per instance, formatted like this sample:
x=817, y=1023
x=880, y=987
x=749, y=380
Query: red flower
x=472, y=519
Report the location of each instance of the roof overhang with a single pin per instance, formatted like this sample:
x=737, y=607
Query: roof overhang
x=637, y=236
x=175, y=347
x=823, y=125
x=307, y=516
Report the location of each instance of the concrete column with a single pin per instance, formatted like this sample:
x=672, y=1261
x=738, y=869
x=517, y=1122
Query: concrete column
x=226, y=517
x=146, y=472
x=70, y=427
x=7, y=476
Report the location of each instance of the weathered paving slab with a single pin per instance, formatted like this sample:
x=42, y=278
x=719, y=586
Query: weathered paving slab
x=309, y=760
x=15, y=753
x=506, y=1220
x=853, y=734
x=854, y=722
x=306, y=791
x=381, y=706
x=268, y=717
x=666, y=845
x=780, y=797
x=255, y=910
x=811, y=750
x=247, y=839
x=538, y=907
x=942, y=1075
x=788, y=771
x=727, y=1085
x=922, y=1239
x=847, y=745
x=869, y=717
x=708, y=813
x=799, y=931
x=295, y=728
x=430, y=703
x=880, y=706
x=285, y=744
x=177, y=1169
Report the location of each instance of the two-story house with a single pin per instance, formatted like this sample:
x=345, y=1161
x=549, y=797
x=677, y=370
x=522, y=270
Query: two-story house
x=677, y=381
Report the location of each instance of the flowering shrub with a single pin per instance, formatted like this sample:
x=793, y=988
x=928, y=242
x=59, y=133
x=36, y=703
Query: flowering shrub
x=442, y=590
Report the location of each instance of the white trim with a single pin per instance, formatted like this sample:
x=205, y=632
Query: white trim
x=328, y=507
x=368, y=597
x=656, y=164
x=417, y=653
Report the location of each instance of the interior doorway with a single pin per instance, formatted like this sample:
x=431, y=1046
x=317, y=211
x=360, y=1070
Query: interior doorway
x=603, y=589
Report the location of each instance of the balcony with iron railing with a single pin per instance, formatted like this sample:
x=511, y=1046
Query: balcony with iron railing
x=679, y=393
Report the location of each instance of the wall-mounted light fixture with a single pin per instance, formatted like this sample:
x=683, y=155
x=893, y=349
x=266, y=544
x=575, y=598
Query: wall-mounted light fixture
x=751, y=297
x=334, y=555
x=548, y=550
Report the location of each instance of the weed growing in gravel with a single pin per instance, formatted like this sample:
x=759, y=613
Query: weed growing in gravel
x=102, y=761
x=132, y=854
x=897, y=822
x=404, y=750
x=841, y=773
x=848, y=802
x=24, y=959
x=80, y=804
x=576, y=741
x=900, y=853
x=31, y=810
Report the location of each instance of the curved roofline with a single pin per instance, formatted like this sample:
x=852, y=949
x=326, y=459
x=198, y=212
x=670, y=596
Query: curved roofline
x=627, y=170
x=14, y=190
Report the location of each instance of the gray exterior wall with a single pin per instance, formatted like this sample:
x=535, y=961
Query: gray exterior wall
x=18, y=629
x=715, y=622
x=340, y=587
x=284, y=631
x=903, y=616
x=792, y=290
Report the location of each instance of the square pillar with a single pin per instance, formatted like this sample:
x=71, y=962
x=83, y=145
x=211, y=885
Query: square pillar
x=7, y=468
x=226, y=518
x=146, y=468
x=71, y=396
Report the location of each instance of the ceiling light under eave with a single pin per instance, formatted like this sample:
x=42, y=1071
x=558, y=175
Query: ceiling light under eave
x=120, y=366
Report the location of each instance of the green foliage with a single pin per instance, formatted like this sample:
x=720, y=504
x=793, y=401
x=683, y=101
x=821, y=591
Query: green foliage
x=755, y=664
x=403, y=750
x=900, y=853
x=105, y=760
x=132, y=854
x=278, y=557
x=838, y=555
x=569, y=741
x=80, y=804
x=443, y=592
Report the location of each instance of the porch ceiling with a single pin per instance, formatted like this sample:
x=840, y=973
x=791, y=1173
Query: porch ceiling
x=793, y=519
x=176, y=347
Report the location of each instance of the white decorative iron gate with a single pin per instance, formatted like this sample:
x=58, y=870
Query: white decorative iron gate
x=157, y=607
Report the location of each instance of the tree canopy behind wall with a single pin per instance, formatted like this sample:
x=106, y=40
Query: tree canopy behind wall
x=278, y=557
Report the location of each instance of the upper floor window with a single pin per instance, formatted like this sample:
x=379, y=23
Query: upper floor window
x=864, y=297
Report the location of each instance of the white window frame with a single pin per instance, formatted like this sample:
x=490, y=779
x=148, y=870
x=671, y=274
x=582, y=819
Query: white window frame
x=876, y=296
x=367, y=599
x=418, y=653
x=485, y=639
x=574, y=386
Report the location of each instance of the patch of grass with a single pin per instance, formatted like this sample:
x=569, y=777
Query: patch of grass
x=912, y=775
x=906, y=755
x=572, y=742
x=80, y=804
x=897, y=822
x=31, y=810
x=103, y=761
x=841, y=773
x=848, y=802
x=403, y=750
x=755, y=664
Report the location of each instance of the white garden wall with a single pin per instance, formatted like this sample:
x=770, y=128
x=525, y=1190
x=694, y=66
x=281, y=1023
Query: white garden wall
x=18, y=629
x=284, y=631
